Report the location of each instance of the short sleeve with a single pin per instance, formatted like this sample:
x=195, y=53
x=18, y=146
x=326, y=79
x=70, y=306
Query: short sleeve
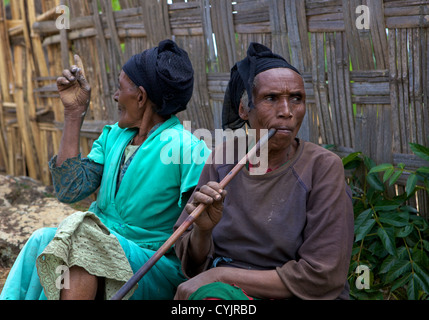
x=195, y=154
x=97, y=153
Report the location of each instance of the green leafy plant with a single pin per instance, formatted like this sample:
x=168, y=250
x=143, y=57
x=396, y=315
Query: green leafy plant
x=390, y=235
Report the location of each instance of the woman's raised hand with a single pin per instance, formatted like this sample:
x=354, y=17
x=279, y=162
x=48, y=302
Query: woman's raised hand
x=74, y=90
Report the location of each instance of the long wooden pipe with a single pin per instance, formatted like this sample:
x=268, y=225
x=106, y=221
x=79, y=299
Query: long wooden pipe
x=188, y=221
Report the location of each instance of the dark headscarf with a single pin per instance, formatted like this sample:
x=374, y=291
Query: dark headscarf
x=167, y=75
x=259, y=59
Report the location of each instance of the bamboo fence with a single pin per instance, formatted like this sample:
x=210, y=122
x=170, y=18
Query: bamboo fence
x=367, y=89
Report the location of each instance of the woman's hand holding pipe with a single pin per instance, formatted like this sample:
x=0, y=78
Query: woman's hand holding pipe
x=212, y=195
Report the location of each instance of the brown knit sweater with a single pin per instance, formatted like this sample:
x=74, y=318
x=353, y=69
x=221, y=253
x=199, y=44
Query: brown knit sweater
x=297, y=219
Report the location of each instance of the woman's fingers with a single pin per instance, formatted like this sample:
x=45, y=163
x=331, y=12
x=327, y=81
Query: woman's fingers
x=75, y=72
x=190, y=207
x=80, y=73
x=213, y=190
x=62, y=81
x=209, y=194
x=79, y=64
x=68, y=78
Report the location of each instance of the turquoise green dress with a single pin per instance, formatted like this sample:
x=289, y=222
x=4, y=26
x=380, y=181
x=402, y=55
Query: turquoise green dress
x=138, y=217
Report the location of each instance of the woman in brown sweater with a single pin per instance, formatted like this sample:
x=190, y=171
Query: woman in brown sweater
x=283, y=234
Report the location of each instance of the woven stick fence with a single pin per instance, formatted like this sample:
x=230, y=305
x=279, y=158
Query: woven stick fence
x=366, y=70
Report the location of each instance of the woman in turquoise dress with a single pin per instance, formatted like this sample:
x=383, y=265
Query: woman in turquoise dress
x=142, y=181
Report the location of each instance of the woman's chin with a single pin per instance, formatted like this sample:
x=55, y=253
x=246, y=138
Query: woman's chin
x=122, y=124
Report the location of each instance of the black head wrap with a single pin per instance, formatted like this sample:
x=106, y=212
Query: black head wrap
x=167, y=75
x=259, y=59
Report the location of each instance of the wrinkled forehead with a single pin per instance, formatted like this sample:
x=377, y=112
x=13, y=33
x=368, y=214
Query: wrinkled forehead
x=279, y=76
x=124, y=79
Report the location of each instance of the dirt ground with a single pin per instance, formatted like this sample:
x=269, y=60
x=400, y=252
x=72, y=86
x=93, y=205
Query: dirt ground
x=25, y=206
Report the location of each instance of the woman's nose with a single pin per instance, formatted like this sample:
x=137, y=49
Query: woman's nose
x=283, y=108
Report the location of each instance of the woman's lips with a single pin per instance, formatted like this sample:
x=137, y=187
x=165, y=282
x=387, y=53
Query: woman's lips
x=284, y=130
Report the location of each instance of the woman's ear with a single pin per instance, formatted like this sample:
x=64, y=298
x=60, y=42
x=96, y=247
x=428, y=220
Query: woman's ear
x=142, y=95
x=243, y=111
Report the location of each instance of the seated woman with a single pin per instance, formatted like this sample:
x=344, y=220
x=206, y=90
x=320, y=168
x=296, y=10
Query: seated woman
x=286, y=233
x=141, y=193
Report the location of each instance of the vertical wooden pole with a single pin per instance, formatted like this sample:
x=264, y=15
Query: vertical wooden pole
x=4, y=84
x=23, y=109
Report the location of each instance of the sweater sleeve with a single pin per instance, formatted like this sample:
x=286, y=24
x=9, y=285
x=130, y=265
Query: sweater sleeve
x=75, y=179
x=189, y=268
x=320, y=271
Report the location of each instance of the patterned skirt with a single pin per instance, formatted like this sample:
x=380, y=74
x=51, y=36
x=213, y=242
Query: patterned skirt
x=40, y=271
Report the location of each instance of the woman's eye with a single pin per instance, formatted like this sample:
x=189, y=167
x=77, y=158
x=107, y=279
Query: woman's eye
x=296, y=99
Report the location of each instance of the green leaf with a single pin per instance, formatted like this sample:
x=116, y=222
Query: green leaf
x=381, y=167
x=387, y=264
x=355, y=250
x=426, y=182
x=388, y=174
x=364, y=229
x=377, y=249
x=352, y=160
x=411, y=184
x=116, y=6
x=365, y=294
x=401, y=281
x=375, y=182
x=423, y=169
x=405, y=232
x=426, y=245
x=392, y=263
x=414, y=286
x=328, y=146
x=422, y=259
x=393, y=221
x=387, y=236
x=423, y=277
x=397, y=219
x=369, y=163
x=397, y=269
x=421, y=151
x=419, y=222
x=363, y=216
x=351, y=157
x=423, y=172
x=395, y=177
x=386, y=207
x=402, y=253
x=409, y=209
